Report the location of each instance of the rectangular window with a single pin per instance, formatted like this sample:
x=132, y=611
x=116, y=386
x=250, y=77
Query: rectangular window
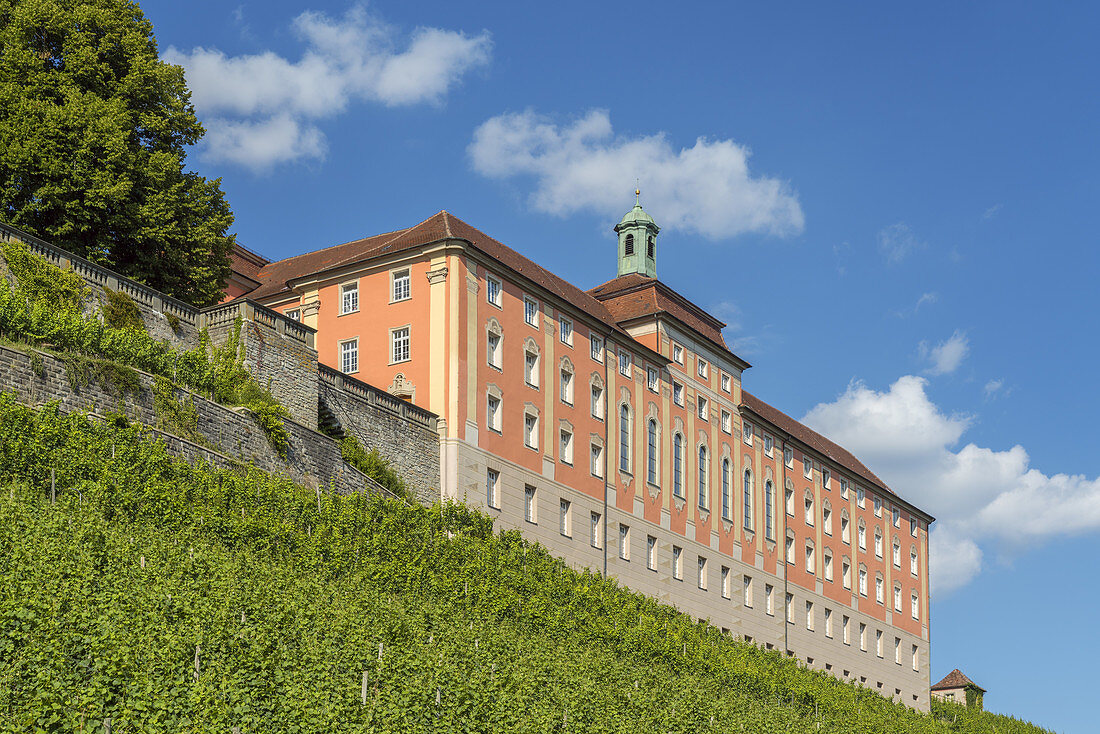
x=843, y=488
x=828, y=565
x=878, y=507
x=294, y=314
x=566, y=446
x=594, y=529
x=704, y=411
x=845, y=624
x=863, y=636
x=492, y=486
x=827, y=520
x=349, y=356
x=399, y=340
x=597, y=460
x=746, y=591
x=565, y=520
x=567, y=387
x=702, y=367
x=878, y=643
x=531, y=311
x=727, y=421
x=624, y=542
x=913, y=563
x=597, y=402
x=492, y=413
x=863, y=582
x=492, y=350
x=651, y=553
x=652, y=378
x=879, y=593
x=531, y=430
x=769, y=445
x=531, y=368
x=677, y=354
x=846, y=574
x=725, y=582
x=788, y=457
x=897, y=598
x=677, y=563
x=916, y=658
x=828, y=622
x=825, y=478
x=678, y=394
x=597, y=347
x=790, y=608
x=530, y=505
x=349, y=298
x=861, y=496
x=492, y=290
x=897, y=517
x=402, y=285
x=769, y=599
x=624, y=363
x=725, y=382
x=565, y=329
x=702, y=573
x=913, y=526
x=807, y=467
x=746, y=433
x=897, y=555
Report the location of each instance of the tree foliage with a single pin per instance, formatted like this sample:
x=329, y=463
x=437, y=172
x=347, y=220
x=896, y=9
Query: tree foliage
x=93, y=131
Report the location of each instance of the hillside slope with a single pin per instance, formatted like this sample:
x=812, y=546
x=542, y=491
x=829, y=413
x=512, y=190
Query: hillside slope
x=170, y=597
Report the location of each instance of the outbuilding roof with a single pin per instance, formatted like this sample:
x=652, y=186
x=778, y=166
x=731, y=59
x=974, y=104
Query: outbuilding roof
x=956, y=679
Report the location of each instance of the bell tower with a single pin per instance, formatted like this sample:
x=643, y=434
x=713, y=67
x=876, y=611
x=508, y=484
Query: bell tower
x=637, y=241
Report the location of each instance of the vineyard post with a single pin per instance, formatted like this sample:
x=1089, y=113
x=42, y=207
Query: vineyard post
x=107, y=726
x=366, y=681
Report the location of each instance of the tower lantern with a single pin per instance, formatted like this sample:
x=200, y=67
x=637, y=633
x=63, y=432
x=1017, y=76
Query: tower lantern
x=637, y=241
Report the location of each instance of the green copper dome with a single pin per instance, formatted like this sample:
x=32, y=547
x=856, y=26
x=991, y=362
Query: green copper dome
x=637, y=215
x=637, y=241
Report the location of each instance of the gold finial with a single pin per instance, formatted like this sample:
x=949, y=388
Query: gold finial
x=638, y=196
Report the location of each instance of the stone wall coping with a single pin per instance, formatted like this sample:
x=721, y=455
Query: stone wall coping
x=376, y=397
x=248, y=309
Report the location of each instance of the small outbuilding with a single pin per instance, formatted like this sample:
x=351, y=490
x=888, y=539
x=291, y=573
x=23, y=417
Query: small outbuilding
x=956, y=687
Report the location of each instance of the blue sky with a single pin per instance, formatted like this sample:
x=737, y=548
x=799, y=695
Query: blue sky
x=892, y=206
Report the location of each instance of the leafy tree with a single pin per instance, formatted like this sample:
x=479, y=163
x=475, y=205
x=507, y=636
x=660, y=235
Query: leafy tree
x=93, y=131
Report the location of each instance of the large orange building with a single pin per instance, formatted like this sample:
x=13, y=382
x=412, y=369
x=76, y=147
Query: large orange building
x=611, y=426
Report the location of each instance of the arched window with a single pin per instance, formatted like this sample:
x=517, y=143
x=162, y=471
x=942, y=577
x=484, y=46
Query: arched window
x=768, y=510
x=629, y=244
x=703, y=477
x=748, y=500
x=678, y=465
x=624, y=438
x=726, y=488
x=651, y=447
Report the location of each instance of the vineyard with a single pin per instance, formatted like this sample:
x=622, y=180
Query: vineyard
x=142, y=594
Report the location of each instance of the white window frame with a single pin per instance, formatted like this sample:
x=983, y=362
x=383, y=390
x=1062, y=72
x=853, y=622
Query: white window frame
x=769, y=600
x=702, y=575
x=492, y=488
x=624, y=542
x=594, y=529
x=677, y=354
x=726, y=382
x=531, y=430
x=653, y=379
x=342, y=345
x=595, y=460
x=294, y=314
x=490, y=291
x=624, y=363
x=826, y=478
x=565, y=330
x=494, y=357
x=913, y=564
x=651, y=552
x=567, y=379
x=596, y=395
x=702, y=367
x=396, y=358
x=531, y=369
x=914, y=605
x=565, y=446
x=746, y=433
x=704, y=408
x=531, y=315
x=403, y=275
x=725, y=582
x=565, y=518
x=493, y=418
x=530, y=504
x=349, y=298
x=595, y=343
x=677, y=563
x=727, y=421
x=677, y=393
x=807, y=466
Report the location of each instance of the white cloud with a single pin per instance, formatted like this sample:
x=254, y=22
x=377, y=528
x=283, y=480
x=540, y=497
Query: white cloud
x=946, y=356
x=992, y=388
x=991, y=212
x=354, y=58
x=897, y=242
x=929, y=298
x=584, y=165
x=981, y=496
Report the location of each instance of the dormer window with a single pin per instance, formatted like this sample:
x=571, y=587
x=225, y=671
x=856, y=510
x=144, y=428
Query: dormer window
x=629, y=246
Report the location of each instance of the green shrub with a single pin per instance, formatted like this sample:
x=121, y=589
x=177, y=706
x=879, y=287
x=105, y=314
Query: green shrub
x=120, y=311
x=374, y=465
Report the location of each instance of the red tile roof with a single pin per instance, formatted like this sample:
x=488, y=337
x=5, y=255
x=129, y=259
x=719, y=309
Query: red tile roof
x=956, y=679
x=634, y=296
x=812, y=439
x=275, y=277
